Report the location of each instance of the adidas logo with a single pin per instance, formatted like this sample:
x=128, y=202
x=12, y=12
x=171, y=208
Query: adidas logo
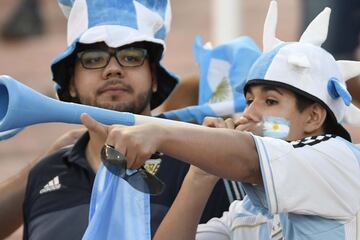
x=52, y=185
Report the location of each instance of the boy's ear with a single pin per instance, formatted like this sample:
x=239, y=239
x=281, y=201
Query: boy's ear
x=316, y=116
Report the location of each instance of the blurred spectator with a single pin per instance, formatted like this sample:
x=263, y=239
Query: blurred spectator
x=25, y=21
x=344, y=27
x=344, y=32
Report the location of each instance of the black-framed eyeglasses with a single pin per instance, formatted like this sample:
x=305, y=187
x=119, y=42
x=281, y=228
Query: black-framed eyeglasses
x=139, y=179
x=100, y=58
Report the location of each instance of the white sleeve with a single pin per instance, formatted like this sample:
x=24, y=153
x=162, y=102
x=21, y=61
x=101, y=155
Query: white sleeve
x=242, y=221
x=322, y=178
x=214, y=229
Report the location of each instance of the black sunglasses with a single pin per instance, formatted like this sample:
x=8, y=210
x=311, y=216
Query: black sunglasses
x=139, y=179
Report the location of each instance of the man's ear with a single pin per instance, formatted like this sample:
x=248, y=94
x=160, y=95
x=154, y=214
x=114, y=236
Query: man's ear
x=72, y=89
x=154, y=80
x=154, y=84
x=315, y=119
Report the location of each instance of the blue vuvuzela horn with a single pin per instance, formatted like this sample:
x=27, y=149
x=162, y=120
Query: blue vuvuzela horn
x=21, y=106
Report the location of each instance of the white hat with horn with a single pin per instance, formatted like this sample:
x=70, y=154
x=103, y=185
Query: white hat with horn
x=306, y=68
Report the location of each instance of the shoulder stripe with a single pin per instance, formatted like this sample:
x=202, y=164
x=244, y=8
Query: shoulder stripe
x=310, y=141
x=234, y=190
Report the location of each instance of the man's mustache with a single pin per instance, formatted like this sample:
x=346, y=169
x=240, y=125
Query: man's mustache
x=114, y=83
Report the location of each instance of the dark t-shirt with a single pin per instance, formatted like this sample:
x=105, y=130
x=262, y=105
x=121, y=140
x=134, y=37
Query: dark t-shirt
x=59, y=188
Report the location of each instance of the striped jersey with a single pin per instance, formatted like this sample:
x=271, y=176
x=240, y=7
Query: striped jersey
x=310, y=190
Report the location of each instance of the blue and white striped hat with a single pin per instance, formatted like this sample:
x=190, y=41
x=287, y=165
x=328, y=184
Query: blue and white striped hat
x=117, y=23
x=306, y=68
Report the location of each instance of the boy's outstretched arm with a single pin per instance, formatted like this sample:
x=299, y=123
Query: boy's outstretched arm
x=222, y=152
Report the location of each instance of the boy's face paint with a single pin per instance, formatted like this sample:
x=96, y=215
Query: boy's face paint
x=275, y=127
x=272, y=111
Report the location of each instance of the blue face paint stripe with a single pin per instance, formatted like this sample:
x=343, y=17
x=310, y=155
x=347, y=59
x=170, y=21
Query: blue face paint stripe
x=282, y=130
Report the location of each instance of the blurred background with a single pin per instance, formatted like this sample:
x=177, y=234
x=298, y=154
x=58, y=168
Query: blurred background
x=27, y=48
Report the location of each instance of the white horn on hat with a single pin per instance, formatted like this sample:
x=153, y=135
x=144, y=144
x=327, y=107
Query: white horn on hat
x=352, y=116
x=316, y=32
x=269, y=36
x=348, y=69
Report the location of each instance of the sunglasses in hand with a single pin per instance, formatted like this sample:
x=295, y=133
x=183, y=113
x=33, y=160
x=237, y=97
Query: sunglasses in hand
x=140, y=178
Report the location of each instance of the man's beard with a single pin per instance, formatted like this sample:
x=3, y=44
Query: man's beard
x=137, y=106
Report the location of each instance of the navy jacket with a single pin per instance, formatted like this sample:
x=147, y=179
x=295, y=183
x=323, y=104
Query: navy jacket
x=59, y=188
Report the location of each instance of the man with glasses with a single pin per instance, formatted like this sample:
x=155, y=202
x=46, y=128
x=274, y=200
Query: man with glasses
x=112, y=62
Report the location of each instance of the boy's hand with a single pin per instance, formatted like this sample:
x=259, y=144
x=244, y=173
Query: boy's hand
x=245, y=125
x=215, y=122
x=136, y=143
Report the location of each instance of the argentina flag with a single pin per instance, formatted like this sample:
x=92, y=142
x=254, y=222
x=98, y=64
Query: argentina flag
x=221, y=69
x=117, y=210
